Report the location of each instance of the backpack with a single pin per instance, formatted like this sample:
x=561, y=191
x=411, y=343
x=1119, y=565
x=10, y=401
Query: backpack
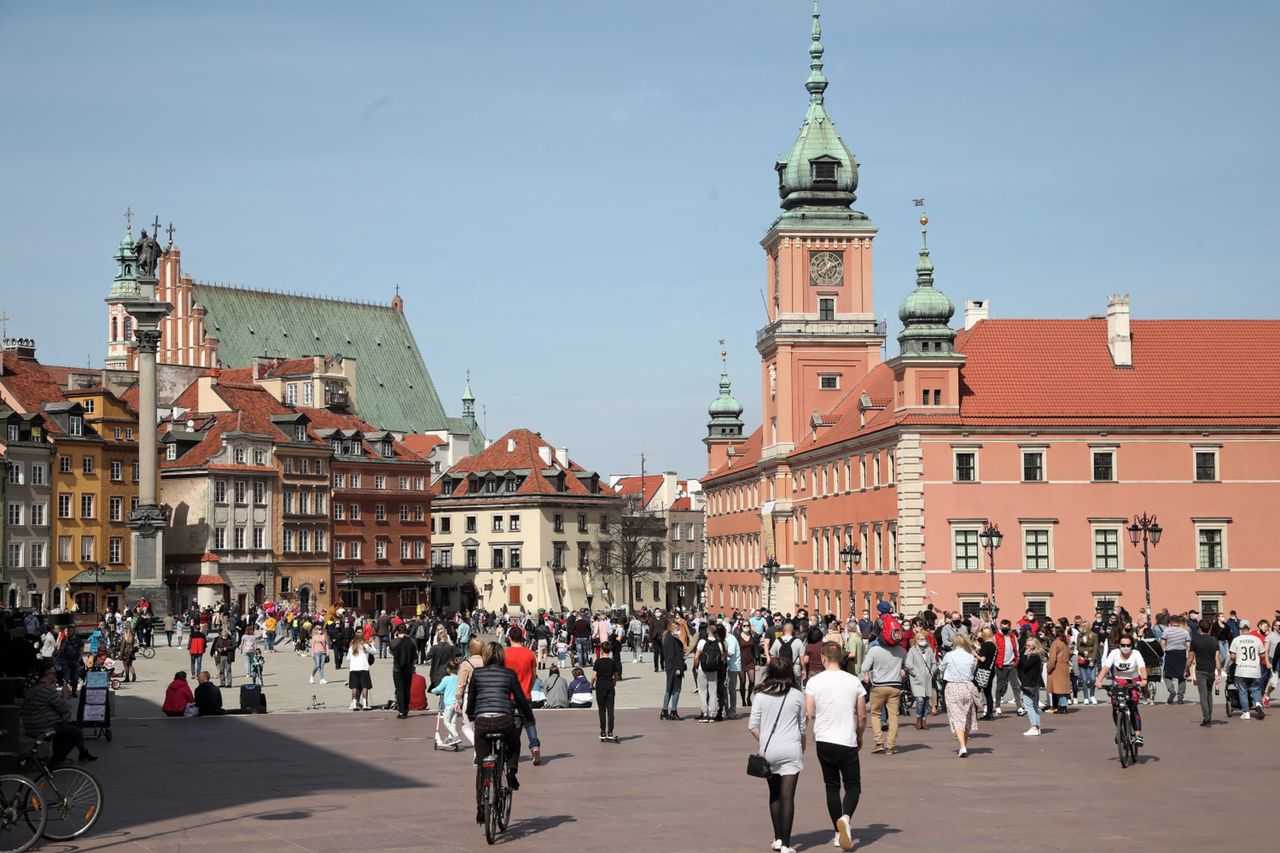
x=712, y=657
x=786, y=649
x=420, y=632
x=890, y=630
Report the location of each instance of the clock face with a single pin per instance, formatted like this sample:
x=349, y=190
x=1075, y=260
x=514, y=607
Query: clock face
x=826, y=269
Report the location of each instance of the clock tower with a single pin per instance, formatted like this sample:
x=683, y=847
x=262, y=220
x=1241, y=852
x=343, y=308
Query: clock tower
x=822, y=337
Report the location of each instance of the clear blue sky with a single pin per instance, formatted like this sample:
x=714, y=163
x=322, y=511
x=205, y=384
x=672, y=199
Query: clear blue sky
x=571, y=195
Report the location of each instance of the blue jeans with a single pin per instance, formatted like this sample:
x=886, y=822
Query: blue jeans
x=271, y=641
x=531, y=732
x=1088, y=674
x=671, y=696
x=922, y=706
x=583, y=646
x=1031, y=704
x=319, y=665
x=1250, y=691
x=197, y=661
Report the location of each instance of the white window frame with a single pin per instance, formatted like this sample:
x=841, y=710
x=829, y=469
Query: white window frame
x=834, y=378
x=1215, y=450
x=964, y=527
x=1043, y=452
x=1114, y=450
x=1220, y=524
x=1029, y=527
x=1121, y=538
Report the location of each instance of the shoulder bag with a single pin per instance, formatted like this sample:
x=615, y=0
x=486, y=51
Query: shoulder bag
x=756, y=764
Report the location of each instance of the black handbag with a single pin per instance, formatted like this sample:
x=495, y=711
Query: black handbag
x=756, y=764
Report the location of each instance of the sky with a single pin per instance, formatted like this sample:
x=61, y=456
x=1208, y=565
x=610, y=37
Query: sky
x=571, y=195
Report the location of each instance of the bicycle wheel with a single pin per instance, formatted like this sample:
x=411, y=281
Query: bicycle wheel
x=22, y=813
x=146, y=652
x=73, y=801
x=491, y=804
x=1124, y=739
x=504, y=813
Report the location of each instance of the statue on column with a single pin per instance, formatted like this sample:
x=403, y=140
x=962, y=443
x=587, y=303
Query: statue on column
x=148, y=252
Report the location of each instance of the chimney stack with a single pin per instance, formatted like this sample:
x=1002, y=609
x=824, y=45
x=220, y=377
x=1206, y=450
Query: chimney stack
x=562, y=456
x=975, y=311
x=544, y=453
x=1118, y=340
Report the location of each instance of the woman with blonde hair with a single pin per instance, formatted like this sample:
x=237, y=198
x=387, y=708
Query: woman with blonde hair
x=985, y=675
x=1031, y=678
x=957, y=669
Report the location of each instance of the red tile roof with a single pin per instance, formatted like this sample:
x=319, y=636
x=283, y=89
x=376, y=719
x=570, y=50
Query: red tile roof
x=423, y=444
x=745, y=456
x=523, y=456
x=31, y=387
x=61, y=374
x=682, y=504
x=633, y=485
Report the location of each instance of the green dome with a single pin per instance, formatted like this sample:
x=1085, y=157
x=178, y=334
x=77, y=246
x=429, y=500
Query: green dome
x=926, y=305
x=725, y=406
x=926, y=312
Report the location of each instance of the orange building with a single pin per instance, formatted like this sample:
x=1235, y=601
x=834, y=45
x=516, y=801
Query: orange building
x=1057, y=432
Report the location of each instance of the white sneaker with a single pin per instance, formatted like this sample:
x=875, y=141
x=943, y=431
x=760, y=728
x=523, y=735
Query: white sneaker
x=353, y=704
x=1032, y=732
x=776, y=845
x=324, y=681
x=1245, y=715
x=1093, y=700
x=844, y=838
x=313, y=679
x=835, y=842
x=998, y=711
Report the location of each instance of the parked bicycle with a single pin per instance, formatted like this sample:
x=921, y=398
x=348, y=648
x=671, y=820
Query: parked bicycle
x=22, y=813
x=72, y=796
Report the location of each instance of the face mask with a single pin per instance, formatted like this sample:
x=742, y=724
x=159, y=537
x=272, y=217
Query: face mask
x=1004, y=630
x=955, y=622
x=922, y=642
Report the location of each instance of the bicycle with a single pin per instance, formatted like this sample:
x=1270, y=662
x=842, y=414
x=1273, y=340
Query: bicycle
x=22, y=813
x=495, y=791
x=73, y=796
x=1125, y=736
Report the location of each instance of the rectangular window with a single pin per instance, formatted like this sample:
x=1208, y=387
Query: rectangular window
x=86, y=464
x=308, y=394
x=170, y=453
x=117, y=467
x=419, y=484
x=259, y=457
x=64, y=506
x=1104, y=466
x=1033, y=466
x=470, y=525
x=380, y=481
x=15, y=555
x=64, y=464
x=829, y=382
x=404, y=512
x=339, y=550
x=39, y=514
x=380, y=549
x=338, y=510
x=1106, y=548
x=319, y=503
x=446, y=524
x=299, y=432
x=1206, y=466
x=64, y=549
x=14, y=433
x=557, y=523
x=583, y=556
x=1210, y=543
x=657, y=590
x=115, y=549
x=404, y=484
x=582, y=522
x=86, y=506
x=304, y=540
x=513, y=523
x=37, y=555
x=1037, y=550
x=291, y=393
x=116, y=508
x=419, y=550
x=1039, y=606
x=514, y=561
x=14, y=516
x=418, y=513
x=241, y=456
x=499, y=558
x=404, y=549
x=339, y=480
x=380, y=512
x=37, y=474
x=473, y=558
x=86, y=549
x=219, y=538
x=240, y=540
x=259, y=493
x=355, y=512
x=75, y=425
x=497, y=524
x=288, y=502
x=355, y=481
x=826, y=308
x=136, y=471
x=259, y=538
x=287, y=542
x=319, y=541
x=966, y=466
x=675, y=533
x=220, y=491
x=240, y=491
x=966, y=551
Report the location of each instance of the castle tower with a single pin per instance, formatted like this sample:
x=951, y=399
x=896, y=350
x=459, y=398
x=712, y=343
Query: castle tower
x=724, y=429
x=121, y=346
x=822, y=336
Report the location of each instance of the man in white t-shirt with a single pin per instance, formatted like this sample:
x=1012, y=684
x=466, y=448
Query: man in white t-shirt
x=1249, y=654
x=1124, y=666
x=836, y=705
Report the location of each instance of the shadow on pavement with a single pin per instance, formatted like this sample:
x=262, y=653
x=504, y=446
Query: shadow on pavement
x=524, y=828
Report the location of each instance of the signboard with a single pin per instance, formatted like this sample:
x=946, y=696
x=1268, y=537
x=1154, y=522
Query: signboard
x=95, y=708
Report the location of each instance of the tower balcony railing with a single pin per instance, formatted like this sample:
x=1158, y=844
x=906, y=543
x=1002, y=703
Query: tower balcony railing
x=822, y=328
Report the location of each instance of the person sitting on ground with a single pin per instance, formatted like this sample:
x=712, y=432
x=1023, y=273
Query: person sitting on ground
x=556, y=689
x=46, y=710
x=177, y=696
x=579, y=690
x=207, y=697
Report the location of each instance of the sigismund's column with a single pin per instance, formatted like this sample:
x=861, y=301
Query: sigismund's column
x=150, y=518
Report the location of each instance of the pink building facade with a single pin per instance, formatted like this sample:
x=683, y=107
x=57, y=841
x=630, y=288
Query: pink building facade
x=1058, y=432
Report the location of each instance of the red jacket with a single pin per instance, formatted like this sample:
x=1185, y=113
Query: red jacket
x=1000, y=647
x=176, y=696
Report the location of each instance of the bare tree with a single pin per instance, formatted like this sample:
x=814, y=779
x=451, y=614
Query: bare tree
x=630, y=550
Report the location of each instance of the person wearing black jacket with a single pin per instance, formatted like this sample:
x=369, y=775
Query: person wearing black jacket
x=496, y=704
x=403, y=654
x=673, y=662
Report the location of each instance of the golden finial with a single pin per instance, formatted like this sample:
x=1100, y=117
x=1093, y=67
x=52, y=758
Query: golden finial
x=924, y=220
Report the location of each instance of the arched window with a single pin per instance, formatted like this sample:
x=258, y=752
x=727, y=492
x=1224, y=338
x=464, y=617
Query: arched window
x=85, y=602
x=115, y=327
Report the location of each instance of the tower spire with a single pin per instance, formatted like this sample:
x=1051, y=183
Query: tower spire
x=926, y=312
x=817, y=83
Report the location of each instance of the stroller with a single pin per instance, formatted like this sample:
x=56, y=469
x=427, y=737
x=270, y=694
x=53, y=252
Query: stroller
x=1231, y=693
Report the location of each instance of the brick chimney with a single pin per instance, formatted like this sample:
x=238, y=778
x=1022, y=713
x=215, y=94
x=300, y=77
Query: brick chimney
x=1118, y=340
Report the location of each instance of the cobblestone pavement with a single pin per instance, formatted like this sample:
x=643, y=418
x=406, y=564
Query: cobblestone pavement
x=346, y=781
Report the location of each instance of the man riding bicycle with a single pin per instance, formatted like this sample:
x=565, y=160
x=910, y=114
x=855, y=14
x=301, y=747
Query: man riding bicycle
x=1127, y=670
x=497, y=705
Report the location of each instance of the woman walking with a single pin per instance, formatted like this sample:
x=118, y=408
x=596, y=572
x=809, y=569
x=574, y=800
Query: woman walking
x=1059, y=669
x=957, y=669
x=747, y=643
x=128, y=653
x=778, y=722
x=358, y=677
x=922, y=664
x=985, y=676
x=319, y=654
x=1030, y=669
x=438, y=656
x=1087, y=659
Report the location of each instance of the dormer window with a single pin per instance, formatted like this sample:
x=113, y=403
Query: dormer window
x=171, y=451
x=388, y=450
x=825, y=171
x=75, y=425
x=337, y=446
x=299, y=432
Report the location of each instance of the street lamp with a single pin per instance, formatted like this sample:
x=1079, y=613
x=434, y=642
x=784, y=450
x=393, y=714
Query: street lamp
x=1143, y=530
x=96, y=568
x=990, y=539
x=769, y=571
x=351, y=574
x=850, y=556
x=426, y=574
x=266, y=594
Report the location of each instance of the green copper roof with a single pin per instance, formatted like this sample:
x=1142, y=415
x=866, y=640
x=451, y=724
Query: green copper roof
x=820, y=171
x=393, y=388
x=927, y=311
x=725, y=410
x=126, y=280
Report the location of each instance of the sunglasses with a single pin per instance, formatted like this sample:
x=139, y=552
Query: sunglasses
x=1126, y=645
